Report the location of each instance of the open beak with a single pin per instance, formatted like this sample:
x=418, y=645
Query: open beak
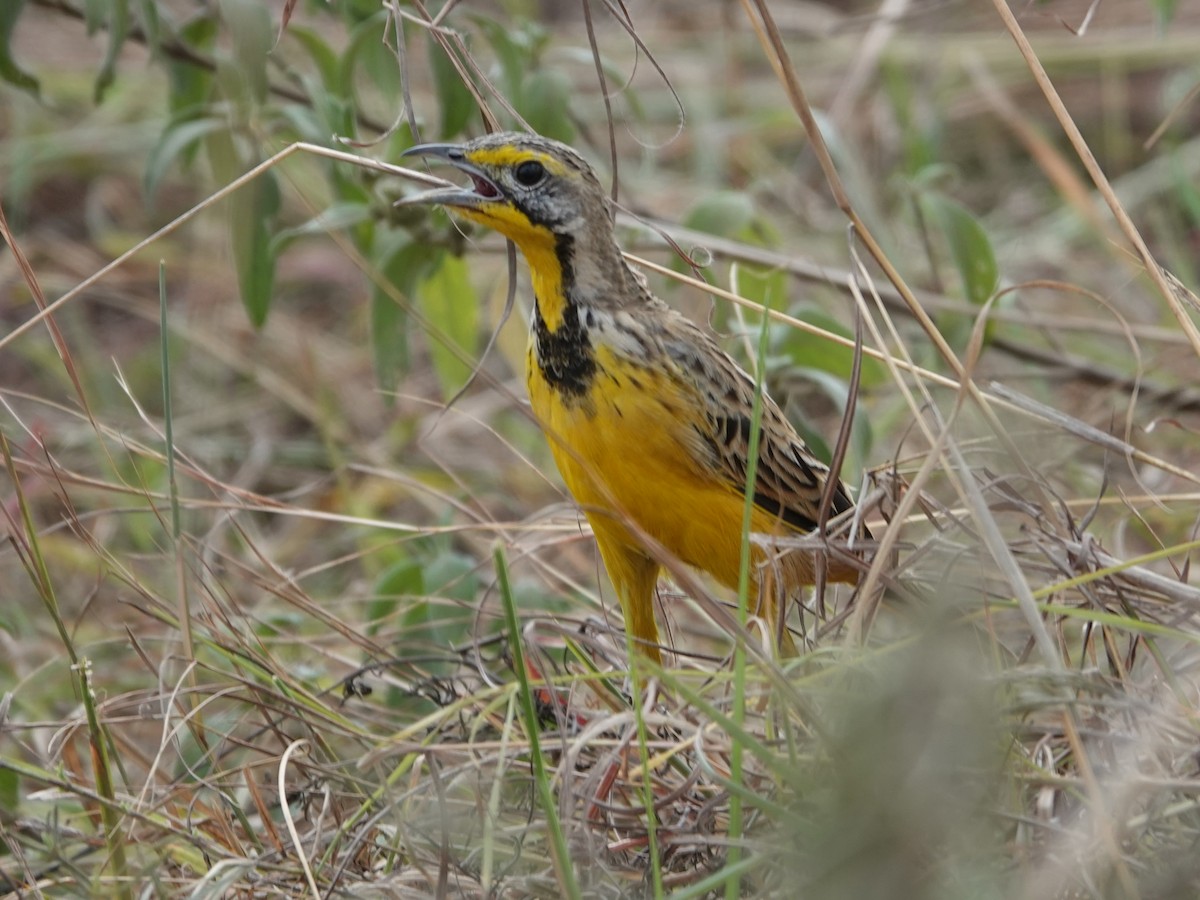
x=481, y=190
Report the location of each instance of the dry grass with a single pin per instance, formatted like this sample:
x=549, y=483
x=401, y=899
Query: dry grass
x=281, y=664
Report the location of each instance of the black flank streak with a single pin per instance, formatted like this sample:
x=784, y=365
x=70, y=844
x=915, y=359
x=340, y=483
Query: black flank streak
x=841, y=503
x=743, y=425
x=796, y=519
x=809, y=474
x=765, y=502
x=729, y=429
x=714, y=449
x=766, y=473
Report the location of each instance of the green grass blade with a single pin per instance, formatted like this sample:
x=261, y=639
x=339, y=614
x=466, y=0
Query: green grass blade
x=541, y=777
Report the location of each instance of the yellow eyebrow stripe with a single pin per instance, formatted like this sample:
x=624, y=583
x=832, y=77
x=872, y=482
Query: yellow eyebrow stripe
x=504, y=157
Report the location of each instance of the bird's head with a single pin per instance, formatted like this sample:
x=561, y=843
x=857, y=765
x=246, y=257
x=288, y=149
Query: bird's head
x=531, y=189
x=547, y=200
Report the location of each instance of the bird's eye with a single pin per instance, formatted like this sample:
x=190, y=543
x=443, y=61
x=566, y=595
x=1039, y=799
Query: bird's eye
x=530, y=173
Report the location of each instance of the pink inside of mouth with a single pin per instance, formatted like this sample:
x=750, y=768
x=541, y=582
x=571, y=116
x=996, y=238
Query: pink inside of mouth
x=484, y=188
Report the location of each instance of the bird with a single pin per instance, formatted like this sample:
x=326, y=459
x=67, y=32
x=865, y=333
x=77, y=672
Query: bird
x=648, y=419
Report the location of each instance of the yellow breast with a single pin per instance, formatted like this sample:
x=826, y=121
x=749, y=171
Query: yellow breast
x=626, y=452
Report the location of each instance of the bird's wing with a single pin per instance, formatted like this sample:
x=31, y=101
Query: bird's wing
x=789, y=480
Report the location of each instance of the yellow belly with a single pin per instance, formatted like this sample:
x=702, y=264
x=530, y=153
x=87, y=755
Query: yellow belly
x=623, y=454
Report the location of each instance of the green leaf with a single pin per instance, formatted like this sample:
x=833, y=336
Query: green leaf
x=858, y=177
x=151, y=27
x=766, y=287
x=452, y=311
x=448, y=576
x=338, y=217
x=455, y=100
x=118, y=30
x=178, y=137
x=1165, y=11
x=811, y=351
x=511, y=51
x=389, y=342
x=918, y=136
x=367, y=50
x=401, y=263
x=453, y=575
x=95, y=14
x=348, y=189
x=9, y=70
x=812, y=437
x=309, y=123
x=223, y=156
x=190, y=85
x=932, y=177
x=249, y=25
x=733, y=214
x=723, y=213
x=435, y=624
x=10, y=794
x=969, y=245
x=546, y=103
x=1185, y=190
x=252, y=209
x=323, y=56
x=353, y=12
x=426, y=585
x=838, y=391
x=401, y=579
